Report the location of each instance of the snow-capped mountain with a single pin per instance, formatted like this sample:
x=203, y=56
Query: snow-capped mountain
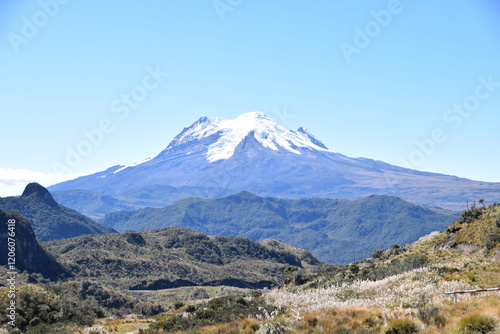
x=215, y=157
x=230, y=133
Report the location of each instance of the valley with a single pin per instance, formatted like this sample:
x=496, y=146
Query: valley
x=242, y=226
x=175, y=279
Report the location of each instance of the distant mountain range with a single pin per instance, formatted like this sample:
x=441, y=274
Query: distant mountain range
x=49, y=219
x=96, y=205
x=216, y=157
x=337, y=231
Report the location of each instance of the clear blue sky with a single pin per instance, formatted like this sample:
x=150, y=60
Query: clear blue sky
x=65, y=67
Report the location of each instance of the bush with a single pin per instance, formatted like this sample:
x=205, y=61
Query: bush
x=492, y=240
x=427, y=314
x=178, y=305
x=378, y=253
x=300, y=277
x=477, y=324
x=255, y=293
x=402, y=326
x=470, y=215
x=218, y=310
x=430, y=316
x=275, y=326
x=396, y=267
x=249, y=326
x=353, y=268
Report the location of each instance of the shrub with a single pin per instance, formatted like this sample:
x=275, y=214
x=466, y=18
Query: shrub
x=276, y=326
x=427, y=314
x=492, y=240
x=178, y=305
x=300, y=277
x=470, y=276
x=249, y=326
x=216, y=311
x=477, y=324
x=378, y=253
x=470, y=215
x=255, y=293
x=311, y=320
x=402, y=326
x=397, y=267
x=353, y=268
x=430, y=315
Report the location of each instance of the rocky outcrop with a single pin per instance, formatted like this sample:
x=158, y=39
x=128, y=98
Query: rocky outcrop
x=18, y=243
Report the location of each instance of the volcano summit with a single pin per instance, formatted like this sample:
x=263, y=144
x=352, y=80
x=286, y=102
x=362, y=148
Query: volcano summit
x=215, y=157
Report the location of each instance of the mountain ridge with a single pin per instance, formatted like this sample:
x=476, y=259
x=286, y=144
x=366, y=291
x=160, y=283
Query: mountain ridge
x=268, y=160
x=330, y=229
x=49, y=219
x=176, y=256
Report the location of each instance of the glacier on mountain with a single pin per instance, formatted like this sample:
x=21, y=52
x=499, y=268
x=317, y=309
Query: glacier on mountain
x=218, y=157
x=230, y=133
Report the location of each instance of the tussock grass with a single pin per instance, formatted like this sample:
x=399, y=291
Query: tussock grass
x=477, y=324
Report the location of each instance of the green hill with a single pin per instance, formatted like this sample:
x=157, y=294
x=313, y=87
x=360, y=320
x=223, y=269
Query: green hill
x=174, y=257
x=337, y=231
x=468, y=250
x=49, y=219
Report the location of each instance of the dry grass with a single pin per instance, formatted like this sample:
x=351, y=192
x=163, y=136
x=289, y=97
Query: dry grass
x=127, y=325
x=356, y=319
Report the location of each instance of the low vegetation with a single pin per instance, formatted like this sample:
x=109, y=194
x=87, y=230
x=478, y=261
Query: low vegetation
x=215, y=311
x=399, y=290
x=48, y=308
x=477, y=324
x=175, y=257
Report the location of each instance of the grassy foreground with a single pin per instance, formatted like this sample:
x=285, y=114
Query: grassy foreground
x=399, y=290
